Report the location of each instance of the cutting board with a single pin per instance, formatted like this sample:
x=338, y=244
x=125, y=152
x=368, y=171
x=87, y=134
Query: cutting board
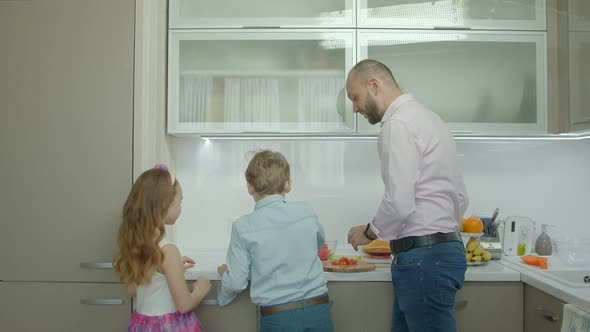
x=360, y=267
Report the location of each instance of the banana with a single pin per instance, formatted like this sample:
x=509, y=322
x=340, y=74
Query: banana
x=472, y=244
x=478, y=251
x=468, y=256
x=476, y=259
x=486, y=256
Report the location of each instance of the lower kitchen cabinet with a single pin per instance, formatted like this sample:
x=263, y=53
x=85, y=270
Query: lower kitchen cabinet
x=379, y=306
x=240, y=315
x=542, y=312
x=348, y=305
x=490, y=306
x=59, y=307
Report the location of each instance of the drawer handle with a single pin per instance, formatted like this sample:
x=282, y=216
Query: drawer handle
x=209, y=302
x=93, y=265
x=548, y=315
x=102, y=301
x=461, y=303
x=452, y=28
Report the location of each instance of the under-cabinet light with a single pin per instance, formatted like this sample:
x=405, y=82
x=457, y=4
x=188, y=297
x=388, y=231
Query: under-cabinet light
x=236, y=137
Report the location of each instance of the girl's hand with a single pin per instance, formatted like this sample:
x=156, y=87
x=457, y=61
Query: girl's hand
x=221, y=269
x=202, y=286
x=187, y=262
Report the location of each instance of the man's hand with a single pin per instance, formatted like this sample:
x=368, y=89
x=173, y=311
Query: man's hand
x=356, y=237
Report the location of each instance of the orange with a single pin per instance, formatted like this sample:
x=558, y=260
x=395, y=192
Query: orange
x=472, y=225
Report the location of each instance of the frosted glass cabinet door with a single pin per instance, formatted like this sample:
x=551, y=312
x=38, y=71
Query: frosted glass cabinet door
x=261, y=13
x=248, y=81
x=579, y=77
x=579, y=15
x=472, y=14
x=478, y=82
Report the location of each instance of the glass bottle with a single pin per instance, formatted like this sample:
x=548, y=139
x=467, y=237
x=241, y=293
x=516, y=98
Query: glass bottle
x=543, y=245
x=521, y=249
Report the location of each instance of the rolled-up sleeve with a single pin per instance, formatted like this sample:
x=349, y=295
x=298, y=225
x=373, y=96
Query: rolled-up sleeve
x=400, y=172
x=235, y=279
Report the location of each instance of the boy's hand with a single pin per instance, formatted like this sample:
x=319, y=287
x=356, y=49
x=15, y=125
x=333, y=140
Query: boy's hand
x=221, y=269
x=202, y=285
x=187, y=262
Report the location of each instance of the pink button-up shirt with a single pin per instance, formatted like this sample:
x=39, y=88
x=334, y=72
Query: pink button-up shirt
x=424, y=189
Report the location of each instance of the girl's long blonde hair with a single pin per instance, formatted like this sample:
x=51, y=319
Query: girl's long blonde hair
x=142, y=228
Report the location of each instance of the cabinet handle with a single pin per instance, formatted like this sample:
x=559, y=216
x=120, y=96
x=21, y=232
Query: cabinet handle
x=209, y=302
x=102, y=301
x=452, y=28
x=461, y=303
x=548, y=315
x=93, y=265
x=261, y=27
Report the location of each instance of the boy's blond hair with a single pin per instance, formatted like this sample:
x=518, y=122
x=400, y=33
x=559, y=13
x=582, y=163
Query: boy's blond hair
x=268, y=172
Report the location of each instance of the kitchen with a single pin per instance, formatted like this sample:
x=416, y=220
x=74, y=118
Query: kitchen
x=84, y=98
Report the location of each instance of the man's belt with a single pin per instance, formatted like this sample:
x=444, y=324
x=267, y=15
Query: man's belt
x=410, y=242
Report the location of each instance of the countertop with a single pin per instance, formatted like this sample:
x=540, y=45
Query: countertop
x=207, y=262
x=578, y=296
x=507, y=269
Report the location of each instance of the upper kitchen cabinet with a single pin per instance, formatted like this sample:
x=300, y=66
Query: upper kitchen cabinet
x=579, y=15
x=261, y=13
x=478, y=82
x=579, y=80
x=259, y=81
x=66, y=101
x=453, y=14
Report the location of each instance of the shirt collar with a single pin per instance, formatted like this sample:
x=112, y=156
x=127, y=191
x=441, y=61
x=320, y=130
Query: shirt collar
x=268, y=200
x=395, y=105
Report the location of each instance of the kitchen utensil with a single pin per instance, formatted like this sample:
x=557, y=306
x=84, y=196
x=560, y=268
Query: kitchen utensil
x=491, y=225
x=377, y=248
x=377, y=259
x=572, y=250
x=360, y=267
x=491, y=240
x=477, y=263
x=518, y=231
x=327, y=250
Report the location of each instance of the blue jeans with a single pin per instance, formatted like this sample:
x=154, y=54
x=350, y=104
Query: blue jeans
x=425, y=282
x=313, y=318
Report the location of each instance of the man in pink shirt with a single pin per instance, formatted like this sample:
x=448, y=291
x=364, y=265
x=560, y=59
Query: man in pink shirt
x=424, y=200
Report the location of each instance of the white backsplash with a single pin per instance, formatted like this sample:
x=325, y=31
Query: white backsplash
x=548, y=181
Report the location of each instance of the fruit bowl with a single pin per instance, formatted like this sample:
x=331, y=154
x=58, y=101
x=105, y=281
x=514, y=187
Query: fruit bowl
x=327, y=250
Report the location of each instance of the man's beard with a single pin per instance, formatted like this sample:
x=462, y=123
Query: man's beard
x=372, y=111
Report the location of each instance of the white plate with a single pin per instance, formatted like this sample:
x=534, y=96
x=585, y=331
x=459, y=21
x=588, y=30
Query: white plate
x=463, y=234
x=477, y=263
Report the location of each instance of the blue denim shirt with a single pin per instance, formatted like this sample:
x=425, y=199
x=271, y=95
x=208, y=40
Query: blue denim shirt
x=277, y=245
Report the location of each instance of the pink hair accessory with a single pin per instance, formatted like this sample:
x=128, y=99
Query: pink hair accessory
x=162, y=167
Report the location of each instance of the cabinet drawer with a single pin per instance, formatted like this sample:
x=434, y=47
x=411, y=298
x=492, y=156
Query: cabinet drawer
x=48, y=307
x=479, y=304
x=240, y=315
x=542, y=312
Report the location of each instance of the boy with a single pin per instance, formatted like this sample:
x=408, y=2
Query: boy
x=277, y=244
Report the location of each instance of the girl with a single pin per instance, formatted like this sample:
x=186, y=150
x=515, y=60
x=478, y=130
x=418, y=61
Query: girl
x=150, y=266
